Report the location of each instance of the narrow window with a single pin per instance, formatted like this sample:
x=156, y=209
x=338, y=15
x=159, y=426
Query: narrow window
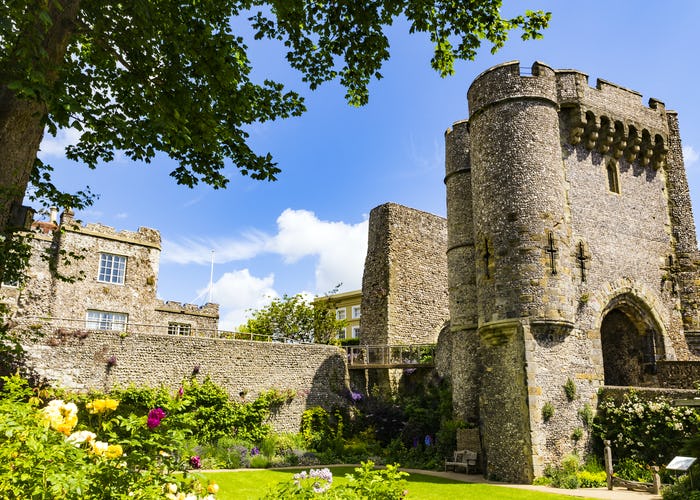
x=355, y=312
x=341, y=333
x=356, y=332
x=112, y=268
x=340, y=314
x=105, y=320
x=613, y=178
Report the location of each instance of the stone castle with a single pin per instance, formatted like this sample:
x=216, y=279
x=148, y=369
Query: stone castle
x=568, y=260
x=571, y=260
x=571, y=252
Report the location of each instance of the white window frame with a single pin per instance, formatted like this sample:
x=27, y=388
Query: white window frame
x=340, y=313
x=356, y=312
x=355, y=332
x=106, y=320
x=179, y=328
x=342, y=334
x=112, y=268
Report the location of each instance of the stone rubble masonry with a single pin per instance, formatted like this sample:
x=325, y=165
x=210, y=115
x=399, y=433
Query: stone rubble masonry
x=531, y=199
x=404, y=285
x=83, y=361
x=74, y=251
x=71, y=356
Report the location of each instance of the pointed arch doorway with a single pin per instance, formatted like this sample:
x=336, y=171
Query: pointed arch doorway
x=631, y=341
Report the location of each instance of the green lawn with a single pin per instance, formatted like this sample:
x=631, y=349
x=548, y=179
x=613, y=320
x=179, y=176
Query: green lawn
x=252, y=484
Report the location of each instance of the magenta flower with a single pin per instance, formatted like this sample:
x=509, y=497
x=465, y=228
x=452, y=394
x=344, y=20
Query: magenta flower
x=195, y=462
x=154, y=417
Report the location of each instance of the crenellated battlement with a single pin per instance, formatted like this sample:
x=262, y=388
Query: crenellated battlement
x=170, y=306
x=607, y=118
x=145, y=236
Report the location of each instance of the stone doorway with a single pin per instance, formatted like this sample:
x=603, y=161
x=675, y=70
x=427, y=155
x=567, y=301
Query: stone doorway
x=631, y=343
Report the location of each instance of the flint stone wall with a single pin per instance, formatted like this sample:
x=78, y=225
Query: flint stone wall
x=404, y=286
x=318, y=373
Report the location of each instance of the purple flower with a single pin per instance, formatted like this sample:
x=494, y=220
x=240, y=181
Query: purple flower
x=428, y=440
x=195, y=462
x=355, y=396
x=180, y=392
x=255, y=451
x=154, y=417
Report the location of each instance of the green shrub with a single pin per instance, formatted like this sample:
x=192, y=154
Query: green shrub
x=547, y=411
x=259, y=462
x=588, y=479
x=570, y=389
x=48, y=450
x=647, y=432
x=364, y=482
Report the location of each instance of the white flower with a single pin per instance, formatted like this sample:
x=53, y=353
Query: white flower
x=79, y=437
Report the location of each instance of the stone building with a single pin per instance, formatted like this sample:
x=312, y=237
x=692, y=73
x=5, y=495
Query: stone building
x=572, y=257
x=92, y=277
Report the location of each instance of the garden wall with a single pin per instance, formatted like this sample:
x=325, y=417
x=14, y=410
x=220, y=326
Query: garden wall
x=83, y=360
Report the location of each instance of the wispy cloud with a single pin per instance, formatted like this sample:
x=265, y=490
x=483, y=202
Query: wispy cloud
x=690, y=156
x=55, y=147
x=198, y=250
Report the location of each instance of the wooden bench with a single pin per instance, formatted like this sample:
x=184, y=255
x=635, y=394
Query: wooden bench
x=462, y=458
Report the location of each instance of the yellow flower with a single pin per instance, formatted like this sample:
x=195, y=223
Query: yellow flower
x=102, y=405
x=114, y=451
x=60, y=416
x=213, y=488
x=99, y=448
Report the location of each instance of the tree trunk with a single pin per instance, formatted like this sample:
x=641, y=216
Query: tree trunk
x=22, y=120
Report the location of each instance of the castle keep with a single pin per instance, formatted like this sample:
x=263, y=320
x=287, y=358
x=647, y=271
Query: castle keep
x=571, y=256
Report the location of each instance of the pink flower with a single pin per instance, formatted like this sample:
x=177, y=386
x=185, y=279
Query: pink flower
x=154, y=417
x=195, y=462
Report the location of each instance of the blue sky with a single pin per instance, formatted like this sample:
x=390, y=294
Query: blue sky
x=307, y=232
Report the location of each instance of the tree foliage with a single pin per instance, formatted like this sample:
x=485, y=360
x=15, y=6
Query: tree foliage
x=295, y=318
x=150, y=76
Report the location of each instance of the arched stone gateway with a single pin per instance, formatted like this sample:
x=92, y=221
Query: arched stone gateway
x=632, y=342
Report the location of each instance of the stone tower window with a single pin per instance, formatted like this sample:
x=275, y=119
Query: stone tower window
x=613, y=178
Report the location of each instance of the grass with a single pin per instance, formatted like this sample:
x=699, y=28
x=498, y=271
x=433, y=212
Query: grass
x=252, y=484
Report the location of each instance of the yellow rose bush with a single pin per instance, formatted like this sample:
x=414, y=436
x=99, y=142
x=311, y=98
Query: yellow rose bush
x=49, y=451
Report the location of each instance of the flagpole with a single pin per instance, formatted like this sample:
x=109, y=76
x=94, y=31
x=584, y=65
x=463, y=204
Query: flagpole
x=211, y=276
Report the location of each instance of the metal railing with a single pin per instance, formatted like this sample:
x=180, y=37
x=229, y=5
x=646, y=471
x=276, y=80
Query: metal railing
x=391, y=356
x=74, y=327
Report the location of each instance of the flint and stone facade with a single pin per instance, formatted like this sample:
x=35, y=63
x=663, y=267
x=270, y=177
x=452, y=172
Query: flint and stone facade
x=572, y=256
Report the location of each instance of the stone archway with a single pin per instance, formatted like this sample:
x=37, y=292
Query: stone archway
x=632, y=343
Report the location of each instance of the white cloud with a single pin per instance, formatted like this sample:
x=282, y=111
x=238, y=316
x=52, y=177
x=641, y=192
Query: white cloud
x=56, y=146
x=339, y=249
x=690, y=155
x=238, y=291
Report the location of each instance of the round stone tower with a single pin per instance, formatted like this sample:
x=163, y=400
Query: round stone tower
x=521, y=225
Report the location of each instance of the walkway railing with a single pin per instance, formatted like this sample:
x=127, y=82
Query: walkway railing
x=391, y=356
x=73, y=327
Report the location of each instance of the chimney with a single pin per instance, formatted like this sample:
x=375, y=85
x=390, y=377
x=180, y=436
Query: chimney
x=53, y=218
